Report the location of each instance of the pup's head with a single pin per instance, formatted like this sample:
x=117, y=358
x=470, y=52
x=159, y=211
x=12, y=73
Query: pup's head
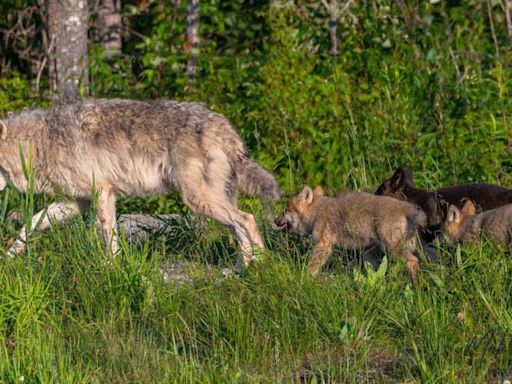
x=452, y=223
x=396, y=184
x=299, y=211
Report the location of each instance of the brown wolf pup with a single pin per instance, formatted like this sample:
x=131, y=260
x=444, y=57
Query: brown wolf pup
x=354, y=220
x=465, y=225
x=126, y=147
x=434, y=203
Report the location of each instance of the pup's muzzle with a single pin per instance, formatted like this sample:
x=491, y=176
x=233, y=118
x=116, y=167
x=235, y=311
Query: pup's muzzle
x=281, y=223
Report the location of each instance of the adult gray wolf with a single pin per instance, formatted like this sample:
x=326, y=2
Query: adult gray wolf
x=139, y=148
x=355, y=220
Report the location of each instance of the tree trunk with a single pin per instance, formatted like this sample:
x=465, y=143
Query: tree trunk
x=109, y=26
x=508, y=15
x=333, y=26
x=67, y=27
x=192, y=39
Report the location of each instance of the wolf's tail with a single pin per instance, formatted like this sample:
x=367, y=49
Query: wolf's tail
x=250, y=176
x=254, y=180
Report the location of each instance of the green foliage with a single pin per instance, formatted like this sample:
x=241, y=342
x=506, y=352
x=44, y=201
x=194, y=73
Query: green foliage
x=396, y=95
x=420, y=84
x=69, y=315
x=15, y=93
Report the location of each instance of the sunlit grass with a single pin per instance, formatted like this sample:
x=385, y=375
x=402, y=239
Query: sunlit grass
x=67, y=315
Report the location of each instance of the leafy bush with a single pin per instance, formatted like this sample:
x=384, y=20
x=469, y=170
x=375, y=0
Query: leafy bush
x=425, y=85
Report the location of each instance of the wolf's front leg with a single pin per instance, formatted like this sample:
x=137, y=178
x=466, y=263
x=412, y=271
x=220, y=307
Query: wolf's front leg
x=106, y=216
x=321, y=252
x=56, y=212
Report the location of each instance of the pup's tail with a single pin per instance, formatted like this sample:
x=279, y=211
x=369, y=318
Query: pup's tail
x=254, y=180
x=417, y=217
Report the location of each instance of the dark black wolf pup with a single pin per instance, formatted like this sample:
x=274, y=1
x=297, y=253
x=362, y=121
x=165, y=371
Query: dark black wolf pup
x=434, y=203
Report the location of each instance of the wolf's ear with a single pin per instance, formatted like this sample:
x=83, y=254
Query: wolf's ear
x=453, y=215
x=318, y=191
x=400, y=178
x=306, y=196
x=468, y=208
x=3, y=130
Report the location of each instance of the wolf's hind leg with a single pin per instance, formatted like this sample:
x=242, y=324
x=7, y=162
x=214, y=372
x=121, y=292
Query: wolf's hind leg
x=56, y=212
x=209, y=188
x=243, y=224
x=106, y=216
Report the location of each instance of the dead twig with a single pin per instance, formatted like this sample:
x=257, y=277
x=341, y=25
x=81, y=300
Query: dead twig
x=43, y=64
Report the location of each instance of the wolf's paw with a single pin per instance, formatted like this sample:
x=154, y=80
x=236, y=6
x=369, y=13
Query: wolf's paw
x=257, y=255
x=16, y=248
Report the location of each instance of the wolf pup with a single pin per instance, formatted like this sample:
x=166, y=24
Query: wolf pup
x=125, y=147
x=465, y=225
x=434, y=203
x=354, y=220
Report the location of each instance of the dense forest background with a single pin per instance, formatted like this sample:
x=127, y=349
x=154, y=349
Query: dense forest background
x=425, y=84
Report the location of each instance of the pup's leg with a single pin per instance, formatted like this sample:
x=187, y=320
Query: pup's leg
x=321, y=252
x=106, y=216
x=371, y=255
x=400, y=240
x=430, y=250
x=56, y=212
x=412, y=264
x=405, y=250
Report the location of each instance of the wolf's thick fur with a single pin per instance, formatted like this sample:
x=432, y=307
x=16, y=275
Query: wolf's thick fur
x=125, y=147
x=354, y=220
x=465, y=225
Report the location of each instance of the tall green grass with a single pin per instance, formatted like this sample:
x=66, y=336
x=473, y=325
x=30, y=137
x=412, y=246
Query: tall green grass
x=67, y=315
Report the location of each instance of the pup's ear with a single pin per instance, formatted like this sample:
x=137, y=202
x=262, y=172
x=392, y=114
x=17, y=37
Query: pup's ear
x=468, y=209
x=306, y=196
x=318, y=191
x=3, y=130
x=400, y=178
x=453, y=215
x=408, y=175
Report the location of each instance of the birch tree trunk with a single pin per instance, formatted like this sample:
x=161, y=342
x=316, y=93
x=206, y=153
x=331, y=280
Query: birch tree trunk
x=334, y=14
x=508, y=15
x=67, y=27
x=109, y=26
x=333, y=26
x=192, y=39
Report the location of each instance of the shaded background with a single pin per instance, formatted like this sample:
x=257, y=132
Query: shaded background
x=424, y=84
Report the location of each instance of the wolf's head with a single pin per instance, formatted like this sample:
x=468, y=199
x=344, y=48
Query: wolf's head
x=300, y=211
x=396, y=184
x=452, y=225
